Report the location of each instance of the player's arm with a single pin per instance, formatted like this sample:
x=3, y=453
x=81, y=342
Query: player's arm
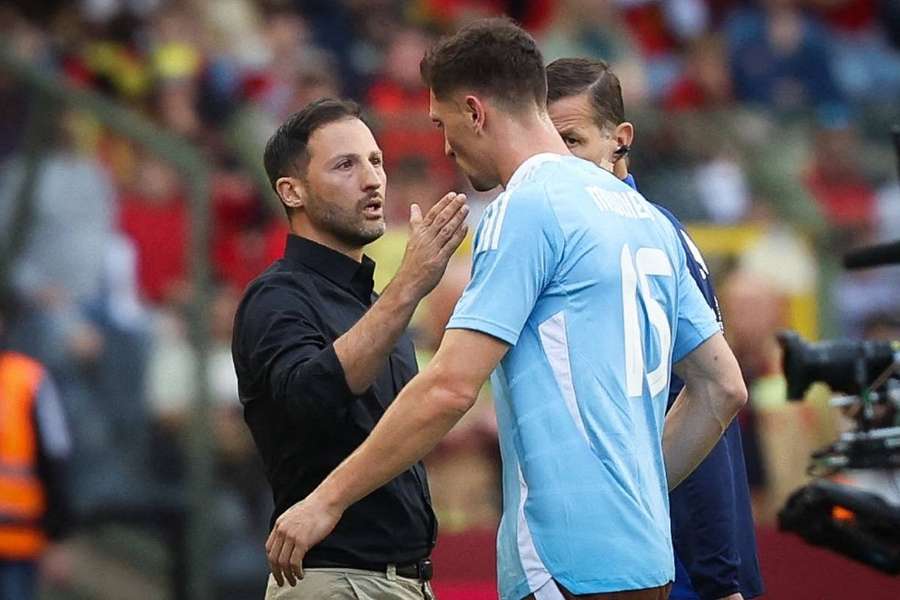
x=713, y=393
x=426, y=409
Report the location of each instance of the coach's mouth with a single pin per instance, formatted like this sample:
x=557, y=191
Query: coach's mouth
x=374, y=209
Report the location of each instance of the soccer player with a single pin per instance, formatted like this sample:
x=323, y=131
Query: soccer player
x=580, y=301
x=712, y=522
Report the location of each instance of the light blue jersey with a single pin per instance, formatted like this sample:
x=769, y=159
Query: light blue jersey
x=588, y=283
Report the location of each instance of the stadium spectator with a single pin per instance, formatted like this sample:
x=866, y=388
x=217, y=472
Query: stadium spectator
x=76, y=279
x=399, y=103
x=781, y=59
x=705, y=83
x=597, y=30
x=837, y=179
x=60, y=270
x=34, y=453
x=153, y=214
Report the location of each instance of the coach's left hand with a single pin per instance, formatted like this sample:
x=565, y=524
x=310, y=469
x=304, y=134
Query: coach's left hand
x=298, y=529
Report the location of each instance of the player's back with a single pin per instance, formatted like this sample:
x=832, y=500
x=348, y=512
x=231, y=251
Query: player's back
x=586, y=280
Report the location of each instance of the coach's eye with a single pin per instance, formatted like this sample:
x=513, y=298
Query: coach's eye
x=570, y=141
x=344, y=165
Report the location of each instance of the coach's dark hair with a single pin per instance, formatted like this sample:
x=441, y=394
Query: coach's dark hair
x=494, y=56
x=573, y=76
x=287, y=150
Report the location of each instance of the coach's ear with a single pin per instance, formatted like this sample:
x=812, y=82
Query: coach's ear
x=474, y=110
x=624, y=134
x=290, y=191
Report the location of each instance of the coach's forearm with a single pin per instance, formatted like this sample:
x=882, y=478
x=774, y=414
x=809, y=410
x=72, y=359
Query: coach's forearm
x=364, y=349
x=421, y=415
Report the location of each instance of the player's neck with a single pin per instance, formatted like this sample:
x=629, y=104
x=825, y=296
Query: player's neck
x=523, y=139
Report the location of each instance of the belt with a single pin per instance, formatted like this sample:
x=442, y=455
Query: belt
x=422, y=570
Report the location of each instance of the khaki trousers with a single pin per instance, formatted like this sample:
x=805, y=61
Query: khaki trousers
x=350, y=584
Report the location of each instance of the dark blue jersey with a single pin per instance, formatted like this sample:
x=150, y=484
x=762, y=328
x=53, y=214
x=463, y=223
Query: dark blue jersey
x=712, y=522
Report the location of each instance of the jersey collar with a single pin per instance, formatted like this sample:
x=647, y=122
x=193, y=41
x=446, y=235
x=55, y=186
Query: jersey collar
x=530, y=165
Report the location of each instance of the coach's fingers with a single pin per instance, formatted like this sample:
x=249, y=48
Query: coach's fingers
x=415, y=217
x=453, y=208
x=276, y=573
x=284, y=561
x=437, y=208
x=453, y=225
x=297, y=562
x=455, y=240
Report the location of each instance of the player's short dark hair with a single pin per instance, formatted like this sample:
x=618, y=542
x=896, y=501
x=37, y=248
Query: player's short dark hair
x=287, y=151
x=568, y=77
x=494, y=56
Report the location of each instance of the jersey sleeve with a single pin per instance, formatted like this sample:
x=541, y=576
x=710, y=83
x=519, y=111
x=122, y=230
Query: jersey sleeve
x=518, y=246
x=695, y=322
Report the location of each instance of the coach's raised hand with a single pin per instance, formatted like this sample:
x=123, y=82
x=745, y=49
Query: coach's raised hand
x=432, y=241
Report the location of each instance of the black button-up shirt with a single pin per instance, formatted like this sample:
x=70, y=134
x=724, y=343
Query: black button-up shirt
x=303, y=416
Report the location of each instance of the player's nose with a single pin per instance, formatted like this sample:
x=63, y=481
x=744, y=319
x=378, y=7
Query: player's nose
x=449, y=151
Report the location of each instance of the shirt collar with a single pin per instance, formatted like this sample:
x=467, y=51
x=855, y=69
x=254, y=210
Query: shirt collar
x=531, y=163
x=338, y=267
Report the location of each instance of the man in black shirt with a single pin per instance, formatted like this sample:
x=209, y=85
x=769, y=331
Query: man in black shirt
x=319, y=357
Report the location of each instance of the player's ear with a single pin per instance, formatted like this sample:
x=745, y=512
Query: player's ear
x=291, y=191
x=475, y=113
x=624, y=134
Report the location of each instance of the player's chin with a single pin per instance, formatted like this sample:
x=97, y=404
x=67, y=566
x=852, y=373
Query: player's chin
x=481, y=184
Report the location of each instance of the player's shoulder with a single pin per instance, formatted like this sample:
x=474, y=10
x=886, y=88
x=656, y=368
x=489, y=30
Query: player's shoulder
x=669, y=216
x=526, y=193
x=553, y=178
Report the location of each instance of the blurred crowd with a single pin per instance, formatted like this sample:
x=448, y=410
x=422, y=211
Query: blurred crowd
x=765, y=123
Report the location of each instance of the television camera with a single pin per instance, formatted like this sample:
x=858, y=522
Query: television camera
x=853, y=505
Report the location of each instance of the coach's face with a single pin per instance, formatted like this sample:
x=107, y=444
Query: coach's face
x=464, y=140
x=574, y=119
x=343, y=190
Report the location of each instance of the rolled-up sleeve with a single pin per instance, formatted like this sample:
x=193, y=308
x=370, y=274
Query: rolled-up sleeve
x=289, y=355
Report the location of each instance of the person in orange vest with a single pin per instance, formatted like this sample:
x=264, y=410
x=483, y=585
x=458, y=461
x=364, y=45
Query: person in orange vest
x=34, y=448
